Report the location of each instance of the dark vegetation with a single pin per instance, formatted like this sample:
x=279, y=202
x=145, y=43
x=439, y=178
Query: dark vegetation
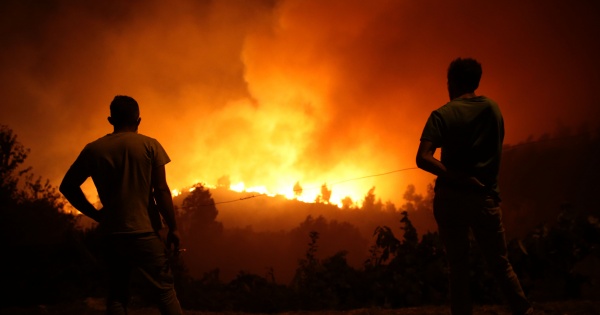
x=549, y=191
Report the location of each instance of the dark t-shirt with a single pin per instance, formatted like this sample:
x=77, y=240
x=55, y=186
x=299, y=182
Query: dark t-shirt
x=470, y=133
x=120, y=165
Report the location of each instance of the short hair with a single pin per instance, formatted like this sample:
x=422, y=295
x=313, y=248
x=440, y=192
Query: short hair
x=465, y=73
x=124, y=110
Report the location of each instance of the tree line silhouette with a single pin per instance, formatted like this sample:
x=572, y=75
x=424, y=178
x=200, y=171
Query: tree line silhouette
x=48, y=258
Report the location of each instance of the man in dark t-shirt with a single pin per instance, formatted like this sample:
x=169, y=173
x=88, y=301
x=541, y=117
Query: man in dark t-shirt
x=128, y=170
x=470, y=131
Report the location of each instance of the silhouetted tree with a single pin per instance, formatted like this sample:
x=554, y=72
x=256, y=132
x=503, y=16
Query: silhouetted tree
x=328, y=283
x=199, y=212
x=44, y=261
x=12, y=156
x=325, y=195
x=297, y=189
x=410, y=236
x=370, y=203
x=420, y=208
x=387, y=243
x=347, y=203
x=397, y=267
x=307, y=282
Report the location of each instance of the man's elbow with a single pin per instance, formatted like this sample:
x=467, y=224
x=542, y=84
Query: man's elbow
x=421, y=161
x=66, y=188
x=63, y=188
x=161, y=188
x=162, y=192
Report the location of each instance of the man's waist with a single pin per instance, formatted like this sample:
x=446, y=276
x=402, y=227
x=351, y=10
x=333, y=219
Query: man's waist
x=443, y=183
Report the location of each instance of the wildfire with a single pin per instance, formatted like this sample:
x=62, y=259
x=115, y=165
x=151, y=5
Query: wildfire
x=338, y=193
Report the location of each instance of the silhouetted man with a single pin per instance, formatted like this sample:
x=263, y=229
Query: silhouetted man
x=128, y=170
x=470, y=131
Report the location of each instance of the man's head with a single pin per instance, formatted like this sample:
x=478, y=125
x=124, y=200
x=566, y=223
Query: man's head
x=124, y=112
x=463, y=76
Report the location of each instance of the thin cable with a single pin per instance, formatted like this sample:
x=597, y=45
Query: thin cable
x=335, y=183
x=227, y=201
x=507, y=148
x=375, y=175
x=359, y=178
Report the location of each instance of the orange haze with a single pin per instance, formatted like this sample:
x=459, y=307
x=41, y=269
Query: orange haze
x=271, y=93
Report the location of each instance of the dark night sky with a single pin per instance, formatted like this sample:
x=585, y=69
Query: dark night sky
x=275, y=92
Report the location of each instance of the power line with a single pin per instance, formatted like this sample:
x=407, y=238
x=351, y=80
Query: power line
x=505, y=149
x=364, y=177
x=334, y=183
x=239, y=199
x=375, y=175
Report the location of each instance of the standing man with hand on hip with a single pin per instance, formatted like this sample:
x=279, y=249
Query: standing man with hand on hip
x=128, y=170
x=470, y=132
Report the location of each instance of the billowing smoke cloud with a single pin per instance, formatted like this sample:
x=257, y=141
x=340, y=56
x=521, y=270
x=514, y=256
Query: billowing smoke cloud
x=277, y=92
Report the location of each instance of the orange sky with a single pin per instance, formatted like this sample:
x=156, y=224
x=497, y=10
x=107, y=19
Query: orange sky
x=275, y=92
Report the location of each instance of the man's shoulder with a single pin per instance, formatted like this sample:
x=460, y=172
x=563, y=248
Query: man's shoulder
x=124, y=136
x=145, y=138
x=446, y=108
x=97, y=142
x=488, y=101
x=459, y=104
x=119, y=139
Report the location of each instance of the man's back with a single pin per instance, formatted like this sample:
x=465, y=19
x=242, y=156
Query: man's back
x=470, y=132
x=120, y=165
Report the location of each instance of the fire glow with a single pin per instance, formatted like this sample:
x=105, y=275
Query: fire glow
x=279, y=92
x=350, y=193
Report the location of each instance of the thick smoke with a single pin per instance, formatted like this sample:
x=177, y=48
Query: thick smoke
x=277, y=92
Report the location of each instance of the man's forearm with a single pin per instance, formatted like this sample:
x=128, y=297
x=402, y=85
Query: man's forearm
x=432, y=165
x=164, y=201
x=427, y=162
x=77, y=198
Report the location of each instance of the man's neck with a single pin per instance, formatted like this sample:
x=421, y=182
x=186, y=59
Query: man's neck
x=124, y=129
x=468, y=95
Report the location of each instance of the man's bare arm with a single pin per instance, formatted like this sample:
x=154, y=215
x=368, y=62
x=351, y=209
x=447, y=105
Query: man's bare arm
x=164, y=201
x=70, y=187
x=427, y=162
x=162, y=195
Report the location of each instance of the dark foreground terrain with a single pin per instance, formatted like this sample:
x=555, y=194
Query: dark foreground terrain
x=94, y=307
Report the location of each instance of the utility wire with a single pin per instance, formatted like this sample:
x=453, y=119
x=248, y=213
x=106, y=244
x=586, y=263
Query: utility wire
x=375, y=175
x=362, y=177
x=334, y=183
x=239, y=199
x=505, y=149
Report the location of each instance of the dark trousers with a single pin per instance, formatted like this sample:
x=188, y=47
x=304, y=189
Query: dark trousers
x=146, y=253
x=457, y=212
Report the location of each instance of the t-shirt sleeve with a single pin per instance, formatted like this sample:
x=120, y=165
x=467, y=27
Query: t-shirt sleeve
x=81, y=166
x=433, y=129
x=160, y=155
